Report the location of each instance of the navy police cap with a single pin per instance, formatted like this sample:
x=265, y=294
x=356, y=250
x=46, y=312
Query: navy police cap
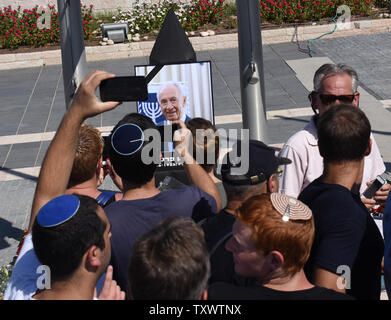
x=58, y=210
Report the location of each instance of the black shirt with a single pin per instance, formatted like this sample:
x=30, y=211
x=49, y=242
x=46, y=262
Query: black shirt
x=217, y=228
x=226, y=291
x=345, y=235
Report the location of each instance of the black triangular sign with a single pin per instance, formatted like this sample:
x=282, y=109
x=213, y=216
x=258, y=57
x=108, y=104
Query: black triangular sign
x=172, y=45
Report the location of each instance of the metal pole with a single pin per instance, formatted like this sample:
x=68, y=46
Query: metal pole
x=251, y=69
x=72, y=47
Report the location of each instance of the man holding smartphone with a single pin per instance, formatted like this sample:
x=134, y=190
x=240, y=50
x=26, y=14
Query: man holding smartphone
x=333, y=85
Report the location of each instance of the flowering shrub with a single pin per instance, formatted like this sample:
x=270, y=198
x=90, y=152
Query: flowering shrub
x=145, y=17
x=89, y=23
x=19, y=28
x=203, y=12
x=280, y=11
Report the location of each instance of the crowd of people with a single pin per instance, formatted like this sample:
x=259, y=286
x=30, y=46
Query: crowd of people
x=294, y=226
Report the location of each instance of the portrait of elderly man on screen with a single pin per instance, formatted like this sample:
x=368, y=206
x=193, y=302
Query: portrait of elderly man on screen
x=172, y=102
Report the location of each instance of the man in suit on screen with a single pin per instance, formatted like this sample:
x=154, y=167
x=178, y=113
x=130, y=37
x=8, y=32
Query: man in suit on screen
x=172, y=102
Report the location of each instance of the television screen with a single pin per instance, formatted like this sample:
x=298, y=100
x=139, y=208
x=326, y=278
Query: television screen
x=177, y=92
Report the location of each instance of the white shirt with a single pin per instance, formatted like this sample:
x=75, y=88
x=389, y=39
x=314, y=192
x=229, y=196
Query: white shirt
x=24, y=276
x=307, y=163
x=23, y=282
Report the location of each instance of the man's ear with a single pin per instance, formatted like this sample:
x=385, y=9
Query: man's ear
x=272, y=183
x=204, y=295
x=313, y=100
x=99, y=166
x=356, y=99
x=368, y=151
x=184, y=100
x=275, y=259
x=93, y=257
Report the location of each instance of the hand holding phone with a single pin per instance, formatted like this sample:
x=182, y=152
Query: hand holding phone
x=376, y=185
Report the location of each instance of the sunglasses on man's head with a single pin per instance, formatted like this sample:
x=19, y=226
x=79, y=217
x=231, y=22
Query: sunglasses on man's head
x=330, y=98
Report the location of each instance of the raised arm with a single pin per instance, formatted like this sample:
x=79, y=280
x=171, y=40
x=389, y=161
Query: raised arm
x=58, y=161
x=194, y=171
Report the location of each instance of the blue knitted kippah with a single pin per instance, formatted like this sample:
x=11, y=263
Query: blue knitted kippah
x=58, y=210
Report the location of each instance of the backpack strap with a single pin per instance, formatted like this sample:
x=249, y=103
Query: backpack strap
x=104, y=197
